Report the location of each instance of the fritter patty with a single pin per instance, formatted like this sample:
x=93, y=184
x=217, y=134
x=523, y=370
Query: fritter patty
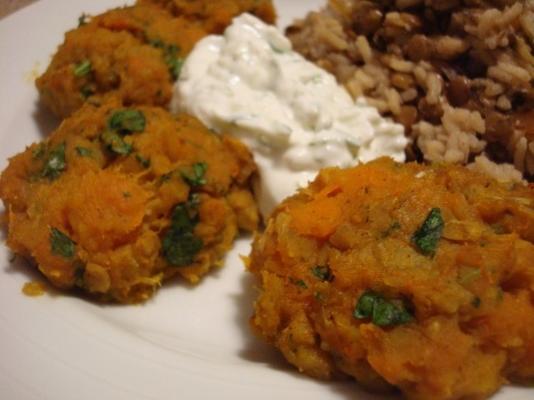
x=136, y=52
x=119, y=199
x=215, y=16
x=408, y=276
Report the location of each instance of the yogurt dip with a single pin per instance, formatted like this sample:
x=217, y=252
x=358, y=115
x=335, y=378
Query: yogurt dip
x=293, y=115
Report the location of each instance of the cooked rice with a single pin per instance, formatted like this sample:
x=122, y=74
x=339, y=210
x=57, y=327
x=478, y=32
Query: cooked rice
x=501, y=172
x=456, y=73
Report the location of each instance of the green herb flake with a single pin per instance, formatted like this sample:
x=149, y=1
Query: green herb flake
x=476, y=302
x=61, y=244
x=170, y=56
x=157, y=43
x=380, y=311
x=175, y=65
x=426, y=238
x=82, y=68
x=55, y=163
x=184, y=217
x=180, y=250
x=145, y=162
x=127, y=121
x=87, y=91
x=84, y=151
x=323, y=273
x=39, y=151
x=180, y=245
x=166, y=177
x=83, y=19
x=395, y=226
x=299, y=283
x=195, y=177
x=115, y=143
x=365, y=306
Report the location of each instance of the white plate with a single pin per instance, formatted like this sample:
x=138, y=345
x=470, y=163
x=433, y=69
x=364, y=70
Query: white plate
x=187, y=343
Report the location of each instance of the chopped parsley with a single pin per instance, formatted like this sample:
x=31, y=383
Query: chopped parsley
x=380, y=311
x=120, y=123
x=175, y=65
x=84, y=151
x=195, y=177
x=39, y=151
x=170, y=56
x=145, y=162
x=299, y=283
x=323, y=273
x=82, y=68
x=55, y=163
x=166, y=177
x=395, y=226
x=426, y=238
x=87, y=91
x=61, y=244
x=115, y=143
x=179, y=244
x=82, y=19
x=157, y=43
x=127, y=121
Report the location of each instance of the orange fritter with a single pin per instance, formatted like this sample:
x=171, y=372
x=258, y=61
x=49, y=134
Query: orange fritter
x=215, y=16
x=119, y=199
x=135, y=52
x=408, y=276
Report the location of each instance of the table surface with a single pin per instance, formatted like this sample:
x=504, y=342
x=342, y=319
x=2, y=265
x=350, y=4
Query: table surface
x=9, y=6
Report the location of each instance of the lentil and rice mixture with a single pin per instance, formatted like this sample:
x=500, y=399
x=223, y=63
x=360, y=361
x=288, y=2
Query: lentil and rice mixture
x=456, y=73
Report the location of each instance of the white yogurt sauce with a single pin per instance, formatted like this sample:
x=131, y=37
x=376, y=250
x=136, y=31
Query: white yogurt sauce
x=293, y=115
